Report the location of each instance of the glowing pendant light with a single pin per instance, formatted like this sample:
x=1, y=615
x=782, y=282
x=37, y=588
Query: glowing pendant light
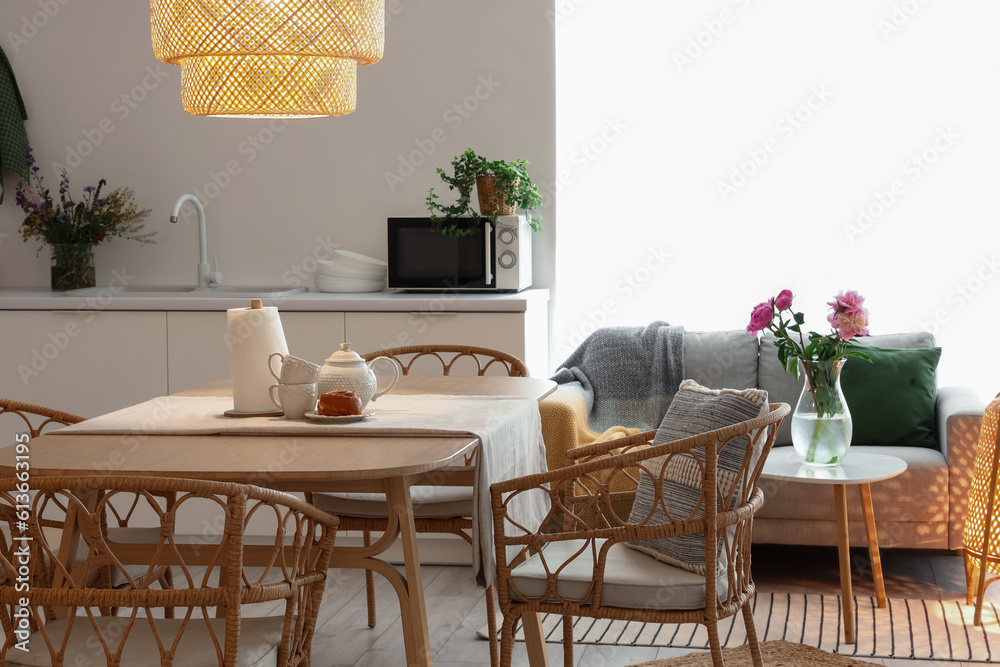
x=268, y=58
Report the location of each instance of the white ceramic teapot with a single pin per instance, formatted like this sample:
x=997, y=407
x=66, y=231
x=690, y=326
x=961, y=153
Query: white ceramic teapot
x=346, y=369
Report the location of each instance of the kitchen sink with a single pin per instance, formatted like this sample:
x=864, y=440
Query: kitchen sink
x=220, y=291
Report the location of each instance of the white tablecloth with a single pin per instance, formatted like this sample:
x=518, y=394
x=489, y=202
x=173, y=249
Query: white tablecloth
x=508, y=427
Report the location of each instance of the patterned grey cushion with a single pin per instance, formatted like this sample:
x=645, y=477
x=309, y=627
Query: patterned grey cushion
x=694, y=410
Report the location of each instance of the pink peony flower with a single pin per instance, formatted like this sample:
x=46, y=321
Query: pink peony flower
x=760, y=318
x=847, y=302
x=784, y=300
x=851, y=324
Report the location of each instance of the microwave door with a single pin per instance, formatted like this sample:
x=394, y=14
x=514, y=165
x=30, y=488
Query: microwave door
x=424, y=259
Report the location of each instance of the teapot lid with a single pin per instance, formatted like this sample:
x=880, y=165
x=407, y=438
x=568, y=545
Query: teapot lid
x=345, y=356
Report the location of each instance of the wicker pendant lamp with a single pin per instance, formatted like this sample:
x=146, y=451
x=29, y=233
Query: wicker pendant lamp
x=268, y=58
x=981, y=534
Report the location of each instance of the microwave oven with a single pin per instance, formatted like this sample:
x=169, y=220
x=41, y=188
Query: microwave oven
x=496, y=258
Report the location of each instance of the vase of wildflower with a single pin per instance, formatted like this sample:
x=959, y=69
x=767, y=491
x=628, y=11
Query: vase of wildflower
x=73, y=266
x=74, y=228
x=821, y=423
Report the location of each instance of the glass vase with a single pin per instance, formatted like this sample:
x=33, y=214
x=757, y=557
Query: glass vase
x=73, y=266
x=821, y=423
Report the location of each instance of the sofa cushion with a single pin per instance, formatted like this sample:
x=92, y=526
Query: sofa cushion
x=783, y=387
x=694, y=410
x=721, y=359
x=892, y=399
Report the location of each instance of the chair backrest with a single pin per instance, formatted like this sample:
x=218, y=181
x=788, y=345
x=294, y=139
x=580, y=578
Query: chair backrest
x=483, y=357
x=36, y=417
x=18, y=421
x=217, y=570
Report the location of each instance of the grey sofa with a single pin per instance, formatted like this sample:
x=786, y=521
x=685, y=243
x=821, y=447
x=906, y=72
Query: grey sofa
x=923, y=508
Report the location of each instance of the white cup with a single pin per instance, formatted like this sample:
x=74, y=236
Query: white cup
x=294, y=399
x=293, y=369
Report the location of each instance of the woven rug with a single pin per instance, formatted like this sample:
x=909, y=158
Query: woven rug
x=774, y=654
x=915, y=629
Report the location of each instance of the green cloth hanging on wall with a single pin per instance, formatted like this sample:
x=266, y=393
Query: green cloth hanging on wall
x=12, y=117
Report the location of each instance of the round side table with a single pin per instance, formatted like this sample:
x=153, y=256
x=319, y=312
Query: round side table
x=857, y=468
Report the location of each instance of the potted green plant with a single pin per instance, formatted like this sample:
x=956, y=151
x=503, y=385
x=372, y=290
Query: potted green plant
x=503, y=187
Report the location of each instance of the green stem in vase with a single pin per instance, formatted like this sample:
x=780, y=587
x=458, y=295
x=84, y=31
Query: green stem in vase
x=72, y=266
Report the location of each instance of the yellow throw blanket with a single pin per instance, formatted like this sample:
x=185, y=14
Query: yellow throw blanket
x=564, y=426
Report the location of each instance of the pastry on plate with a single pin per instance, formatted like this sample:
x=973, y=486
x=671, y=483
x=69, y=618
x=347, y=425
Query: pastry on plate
x=339, y=403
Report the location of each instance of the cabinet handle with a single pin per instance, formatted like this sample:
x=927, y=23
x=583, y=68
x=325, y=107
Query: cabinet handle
x=435, y=313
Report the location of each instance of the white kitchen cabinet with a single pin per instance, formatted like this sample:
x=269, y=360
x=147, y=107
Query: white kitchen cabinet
x=517, y=333
x=198, y=352
x=83, y=362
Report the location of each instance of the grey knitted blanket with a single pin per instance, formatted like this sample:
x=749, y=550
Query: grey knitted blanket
x=627, y=375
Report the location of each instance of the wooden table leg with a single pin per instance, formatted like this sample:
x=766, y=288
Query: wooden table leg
x=70, y=542
x=415, y=631
x=844, y=550
x=873, y=553
x=534, y=639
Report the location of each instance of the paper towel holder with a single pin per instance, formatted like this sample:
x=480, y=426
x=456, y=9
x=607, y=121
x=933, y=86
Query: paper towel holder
x=255, y=304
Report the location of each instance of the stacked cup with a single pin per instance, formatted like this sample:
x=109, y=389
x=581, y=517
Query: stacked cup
x=296, y=385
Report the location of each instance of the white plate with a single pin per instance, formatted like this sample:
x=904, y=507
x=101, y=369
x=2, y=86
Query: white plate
x=341, y=270
x=333, y=284
x=339, y=419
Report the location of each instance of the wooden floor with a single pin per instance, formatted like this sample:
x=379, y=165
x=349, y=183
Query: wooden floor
x=456, y=608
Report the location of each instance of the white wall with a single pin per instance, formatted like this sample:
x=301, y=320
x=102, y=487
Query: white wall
x=696, y=95
x=314, y=182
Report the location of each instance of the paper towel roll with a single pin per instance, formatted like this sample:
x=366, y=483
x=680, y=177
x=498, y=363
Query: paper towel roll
x=254, y=335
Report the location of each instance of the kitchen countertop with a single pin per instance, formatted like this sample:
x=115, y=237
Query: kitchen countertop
x=26, y=298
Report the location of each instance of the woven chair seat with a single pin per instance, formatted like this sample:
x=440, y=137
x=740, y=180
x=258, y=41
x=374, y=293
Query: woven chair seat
x=631, y=578
x=429, y=502
x=259, y=648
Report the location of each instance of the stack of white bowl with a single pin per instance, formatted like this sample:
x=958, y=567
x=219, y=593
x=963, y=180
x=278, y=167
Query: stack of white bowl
x=350, y=272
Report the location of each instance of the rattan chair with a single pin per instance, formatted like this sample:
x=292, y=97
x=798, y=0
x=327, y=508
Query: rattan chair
x=577, y=566
x=35, y=417
x=36, y=420
x=218, y=571
x=444, y=509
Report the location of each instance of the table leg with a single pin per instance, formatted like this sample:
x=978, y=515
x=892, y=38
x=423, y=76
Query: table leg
x=534, y=639
x=844, y=550
x=873, y=553
x=413, y=609
x=70, y=541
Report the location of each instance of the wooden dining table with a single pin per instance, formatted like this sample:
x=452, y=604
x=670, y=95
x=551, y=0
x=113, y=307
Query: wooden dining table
x=388, y=464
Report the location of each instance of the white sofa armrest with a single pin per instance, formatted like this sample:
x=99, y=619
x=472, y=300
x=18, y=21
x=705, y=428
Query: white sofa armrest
x=959, y=412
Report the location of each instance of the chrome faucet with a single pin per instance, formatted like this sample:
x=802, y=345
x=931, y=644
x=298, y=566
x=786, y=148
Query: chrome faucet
x=206, y=276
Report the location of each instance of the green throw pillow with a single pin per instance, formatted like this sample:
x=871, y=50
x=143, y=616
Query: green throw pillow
x=892, y=399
